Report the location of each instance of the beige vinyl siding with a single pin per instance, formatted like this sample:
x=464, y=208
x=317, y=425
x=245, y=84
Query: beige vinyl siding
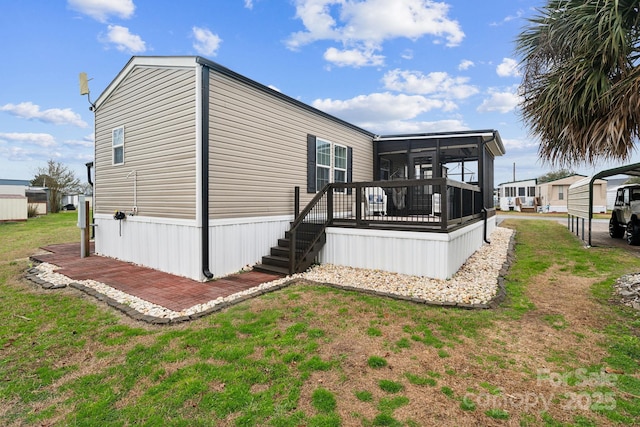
x=258, y=150
x=578, y=200
x=157, y=107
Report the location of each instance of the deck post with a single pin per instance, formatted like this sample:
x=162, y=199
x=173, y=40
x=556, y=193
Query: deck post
x=329, y=205
x=296, y=202
x=444, y=203
x=358, y=191
x=292, y=251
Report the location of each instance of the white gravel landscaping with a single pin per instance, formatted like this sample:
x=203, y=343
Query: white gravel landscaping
x=476, y=282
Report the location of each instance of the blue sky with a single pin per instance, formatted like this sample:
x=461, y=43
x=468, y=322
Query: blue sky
x=389, y=66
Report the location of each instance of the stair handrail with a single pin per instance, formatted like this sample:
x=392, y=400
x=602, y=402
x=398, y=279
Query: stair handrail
x=293, y=259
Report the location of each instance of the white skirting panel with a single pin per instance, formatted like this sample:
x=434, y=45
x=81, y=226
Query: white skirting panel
x=435, y=255
x=236, y=243
x=173, y=246
x=168, y=245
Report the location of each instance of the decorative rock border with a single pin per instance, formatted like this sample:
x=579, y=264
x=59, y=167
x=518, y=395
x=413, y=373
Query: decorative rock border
x=144, y=311
x=627, y=288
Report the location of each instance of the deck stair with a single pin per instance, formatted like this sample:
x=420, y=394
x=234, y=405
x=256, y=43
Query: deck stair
x=311, y=236
x=278, y=261
x=305, y=238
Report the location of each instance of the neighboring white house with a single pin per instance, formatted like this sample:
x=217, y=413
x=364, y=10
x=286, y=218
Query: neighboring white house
x=196, y=168
x=518, y=195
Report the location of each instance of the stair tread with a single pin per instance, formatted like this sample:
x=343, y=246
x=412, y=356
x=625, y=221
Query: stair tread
x=271, y=269
x=276, y=257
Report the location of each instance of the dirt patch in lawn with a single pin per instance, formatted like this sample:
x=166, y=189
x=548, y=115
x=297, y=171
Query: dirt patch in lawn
x=523, y=366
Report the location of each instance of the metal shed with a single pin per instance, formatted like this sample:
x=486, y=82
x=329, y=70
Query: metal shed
x=580, y=200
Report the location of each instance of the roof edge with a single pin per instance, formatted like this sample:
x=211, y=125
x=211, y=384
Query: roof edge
x=259, y=86
x=490, y=137
x=193, y=61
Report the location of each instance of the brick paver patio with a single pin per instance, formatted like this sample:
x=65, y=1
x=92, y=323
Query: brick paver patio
x=173, y=292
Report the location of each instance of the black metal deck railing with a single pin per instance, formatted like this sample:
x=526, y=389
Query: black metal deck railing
x=437, y=204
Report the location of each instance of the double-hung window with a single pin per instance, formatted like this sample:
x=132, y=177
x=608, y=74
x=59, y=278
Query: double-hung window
x=331, y=163
x=339, y=163
x=323, y=163
x=117, y=144
x=327, y=162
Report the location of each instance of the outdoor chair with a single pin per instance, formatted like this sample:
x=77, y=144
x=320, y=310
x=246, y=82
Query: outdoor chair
x=375, y=201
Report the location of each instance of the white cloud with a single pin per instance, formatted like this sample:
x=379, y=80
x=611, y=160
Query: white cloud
x=519, y=143
x=14, y=153
x=500, y=101
x=248, y=4
x=57, y=116
x=274, y=88
x=365, y=25
x=40, y=139
x=508, y=68
x=352, y=57
x=206, y=42
x=100, y=10
x=404, y=126
x=508, y=18
x=124, y=40
x=81, y=157
x=78, y=143
x=382, y=107
x=438, y=84
x=465, y=64
x=407, y=54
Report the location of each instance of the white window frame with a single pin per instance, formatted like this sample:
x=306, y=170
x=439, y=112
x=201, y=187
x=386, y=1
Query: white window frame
x=509, y=191
x=332, y=167
x=114, y=146
x=531, y=191
x=323, y=166
x=335, y=166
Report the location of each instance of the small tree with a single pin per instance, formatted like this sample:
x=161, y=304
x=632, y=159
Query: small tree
x=552, y=176
x=633, y=180
x=59, y=179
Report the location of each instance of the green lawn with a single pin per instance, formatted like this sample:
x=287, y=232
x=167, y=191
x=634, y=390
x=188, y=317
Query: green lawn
x=317, y=356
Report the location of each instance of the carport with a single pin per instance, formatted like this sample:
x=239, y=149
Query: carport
x=580, y=200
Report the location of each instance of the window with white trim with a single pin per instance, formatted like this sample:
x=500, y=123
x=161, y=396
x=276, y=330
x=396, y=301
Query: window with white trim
x=339, y=163
x=509, y=191
x=117, y=144
x=331, y=163
x=323, y=163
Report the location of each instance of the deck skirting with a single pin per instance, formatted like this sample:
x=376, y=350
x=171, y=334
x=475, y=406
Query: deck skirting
x=173, y=246
x=435, y=255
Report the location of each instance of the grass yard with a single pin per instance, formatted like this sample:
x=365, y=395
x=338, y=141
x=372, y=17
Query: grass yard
x=558, y=352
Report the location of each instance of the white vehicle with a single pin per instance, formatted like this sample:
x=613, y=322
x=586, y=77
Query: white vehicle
x=625, y=216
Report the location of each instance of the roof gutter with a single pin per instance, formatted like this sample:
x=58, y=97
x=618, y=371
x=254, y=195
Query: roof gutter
x=204, y=169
